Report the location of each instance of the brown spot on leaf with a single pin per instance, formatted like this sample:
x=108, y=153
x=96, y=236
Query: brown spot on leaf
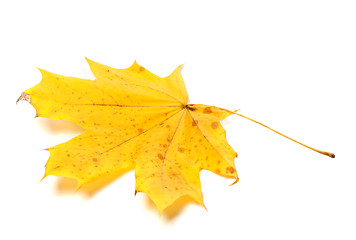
x=207, y=110
x=214, y=125
x=194, y=123
x=95, y=159
x=217, y=171
x=140, y=130
x=230, y=170
x=180, y=149
x=141, y=69
x=160, y=156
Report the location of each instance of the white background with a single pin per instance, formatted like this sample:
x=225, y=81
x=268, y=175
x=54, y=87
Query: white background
x=288, y=64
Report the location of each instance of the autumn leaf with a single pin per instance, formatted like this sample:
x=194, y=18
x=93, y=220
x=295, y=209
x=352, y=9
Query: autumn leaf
x=135, y=119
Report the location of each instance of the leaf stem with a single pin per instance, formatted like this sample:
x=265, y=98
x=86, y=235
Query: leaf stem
x=316, y=150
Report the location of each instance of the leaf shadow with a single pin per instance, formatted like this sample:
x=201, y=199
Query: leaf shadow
x=178, y=207
x=67, y=186
x=172, y=212
x=59, y=126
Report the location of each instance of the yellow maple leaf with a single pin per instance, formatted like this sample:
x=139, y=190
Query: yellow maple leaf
x=135, y=119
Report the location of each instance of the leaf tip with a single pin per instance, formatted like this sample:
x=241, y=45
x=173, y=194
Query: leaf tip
x=136, y=67
x=88, y=60
x=204, y=206
x=24, y=97
x=44, y=176
x=40, y=69
x=178, y=70
x=181, y=66
x=237, y=179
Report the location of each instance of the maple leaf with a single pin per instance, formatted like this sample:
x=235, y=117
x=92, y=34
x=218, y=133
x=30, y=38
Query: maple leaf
x=135, y=119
